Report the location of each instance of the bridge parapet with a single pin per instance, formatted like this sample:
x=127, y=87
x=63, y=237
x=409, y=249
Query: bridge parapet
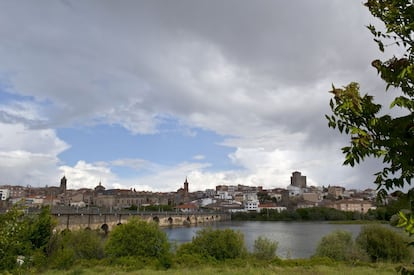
x=106, y=221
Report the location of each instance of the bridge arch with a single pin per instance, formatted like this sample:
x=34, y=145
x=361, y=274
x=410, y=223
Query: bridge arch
x=105, y=228
x=156, y=219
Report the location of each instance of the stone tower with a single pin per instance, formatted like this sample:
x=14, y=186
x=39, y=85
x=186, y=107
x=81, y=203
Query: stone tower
x=63, y=185
x=298, y=180
x=186, y=186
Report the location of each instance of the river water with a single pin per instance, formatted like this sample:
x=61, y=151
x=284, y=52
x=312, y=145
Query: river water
x=295, y=239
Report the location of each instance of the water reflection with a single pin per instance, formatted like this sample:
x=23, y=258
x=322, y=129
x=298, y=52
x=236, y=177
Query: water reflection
x=296, y=239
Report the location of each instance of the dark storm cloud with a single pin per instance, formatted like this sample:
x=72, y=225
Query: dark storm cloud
x=256, y=70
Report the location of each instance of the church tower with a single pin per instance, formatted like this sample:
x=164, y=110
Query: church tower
x=63, y=185
x=186, y=186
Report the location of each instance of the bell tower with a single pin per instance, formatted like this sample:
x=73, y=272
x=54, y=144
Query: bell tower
x=186, y=186
x=63, y=185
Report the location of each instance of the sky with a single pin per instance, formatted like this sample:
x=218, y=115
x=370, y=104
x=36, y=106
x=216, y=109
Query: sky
x=144, y=94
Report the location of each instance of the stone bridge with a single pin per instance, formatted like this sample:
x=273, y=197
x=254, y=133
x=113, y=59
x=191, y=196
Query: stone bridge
x=106, y=221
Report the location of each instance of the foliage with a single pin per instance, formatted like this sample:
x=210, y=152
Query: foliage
x=249, y=266
x=383, y=136
x=406, y=221
x=383, y=244
x=264, y=197
x=69, y=246
x=215, y=244
x=87, y=244
x=11, y=243
x=264, y=248
x=133, y=263
x=40, y=228
x=24, y=235
x=372, y=134
x=301, y=214
x=138, y=238
x=339, y=246
x=398, y=201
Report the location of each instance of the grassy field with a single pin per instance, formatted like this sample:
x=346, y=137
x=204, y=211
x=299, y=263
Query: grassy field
x=292, y=267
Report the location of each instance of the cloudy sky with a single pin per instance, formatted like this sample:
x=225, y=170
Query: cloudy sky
x=142, y=94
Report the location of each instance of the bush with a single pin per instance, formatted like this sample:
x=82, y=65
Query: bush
x=264, y=248
x=183, y=258
x=138, y=238
x=87, y=244
x=22, y=235
x=215, y=244
x=339, y=246
x=69, y=246
x=383, y=244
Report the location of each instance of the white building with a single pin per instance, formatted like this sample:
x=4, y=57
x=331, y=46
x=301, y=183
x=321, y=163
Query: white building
x=206, y=201
x=294, y=191
x=251, y=206
x=223, y=195
x=250, y=201
x=271, y=206
x=4, y=194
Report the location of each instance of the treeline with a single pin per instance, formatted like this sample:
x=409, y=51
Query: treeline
x=303, y=214
x=386, y=211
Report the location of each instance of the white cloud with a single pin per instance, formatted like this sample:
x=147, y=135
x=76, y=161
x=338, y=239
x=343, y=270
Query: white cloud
x=88, y=175
x=257, y=73
x=29, y=156
x=199, y=157
x=25, y=168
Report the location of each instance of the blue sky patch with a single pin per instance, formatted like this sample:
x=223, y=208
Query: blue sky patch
x=168, y=147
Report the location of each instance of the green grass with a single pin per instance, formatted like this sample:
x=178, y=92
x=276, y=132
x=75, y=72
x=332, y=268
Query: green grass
x=300, y=266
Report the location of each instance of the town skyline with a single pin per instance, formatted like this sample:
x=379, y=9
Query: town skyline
x=179, y=185
x=225, y=198
x=136, y=95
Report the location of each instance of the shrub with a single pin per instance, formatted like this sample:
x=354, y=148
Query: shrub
x=339, y=246
x=69, y=246
x=383, y=244
x=22, y=235
x=87, y=244
x=138, y=238
x=264, y=248
x=39, y=228
x=216, y=244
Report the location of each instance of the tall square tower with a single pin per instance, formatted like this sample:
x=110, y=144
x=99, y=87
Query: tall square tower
x=298, y=180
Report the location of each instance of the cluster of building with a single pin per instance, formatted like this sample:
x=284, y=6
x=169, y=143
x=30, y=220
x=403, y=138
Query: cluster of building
x=231, y=198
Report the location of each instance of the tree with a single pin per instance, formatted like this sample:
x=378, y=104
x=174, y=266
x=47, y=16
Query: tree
x=372, y=134
x=390, y=138
x=264, y=248
x=137, y=238
x=383, y=244
x=23, y=235
x=67, y=247
x=11, y=243
x=215, y=243
x=339, y=246
x=40, y=229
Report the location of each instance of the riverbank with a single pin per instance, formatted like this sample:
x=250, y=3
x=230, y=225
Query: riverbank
x=359, y=222
x=295, y=239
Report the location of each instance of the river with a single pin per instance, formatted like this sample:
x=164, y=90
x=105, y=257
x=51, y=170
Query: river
x=295, y=239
